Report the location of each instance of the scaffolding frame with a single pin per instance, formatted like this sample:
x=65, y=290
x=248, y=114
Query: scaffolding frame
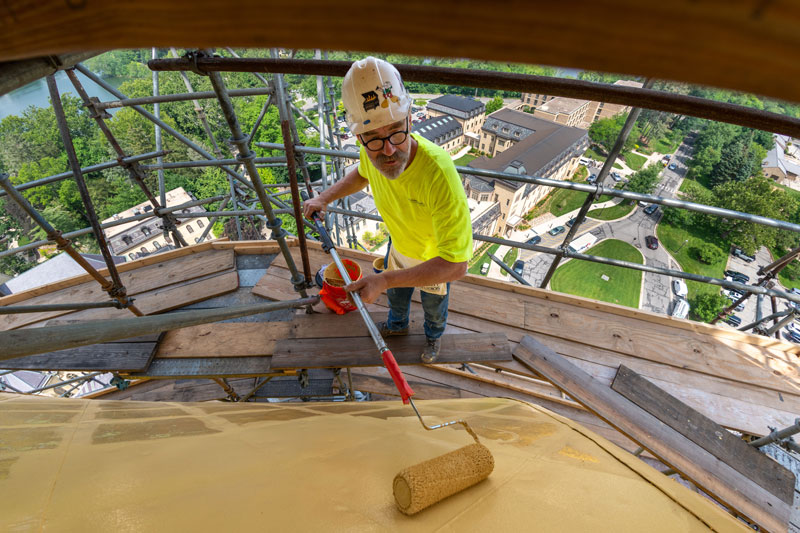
x=234, y=203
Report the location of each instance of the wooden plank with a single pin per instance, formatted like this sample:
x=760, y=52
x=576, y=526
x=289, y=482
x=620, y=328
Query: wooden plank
x=227, y=339
x=697, y=353
x=207, y=367
x=136, y=282
x=120, y=356
x=360, y=351
x=709, y=473
x=121, y=268
x=705, y=433
x=171, y=297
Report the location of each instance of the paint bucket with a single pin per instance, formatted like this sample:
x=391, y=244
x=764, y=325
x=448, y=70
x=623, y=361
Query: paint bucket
x=333, y=294
x=377, y=265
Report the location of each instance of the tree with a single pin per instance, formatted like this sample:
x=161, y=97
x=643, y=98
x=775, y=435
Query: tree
x=645, y=180
x=735, y=163
x=494, y=104
x=677, y=217
x=706, y=306
x=709, y=253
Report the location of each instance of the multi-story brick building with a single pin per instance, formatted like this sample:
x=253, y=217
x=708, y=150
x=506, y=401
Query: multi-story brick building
x=546, y=149
x=543, y=105
x=445, y=131
x=469, y=113
x=138, y=239
x=566, y=111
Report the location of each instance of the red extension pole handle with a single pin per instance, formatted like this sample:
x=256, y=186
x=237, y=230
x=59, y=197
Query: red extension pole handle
x=397, y=376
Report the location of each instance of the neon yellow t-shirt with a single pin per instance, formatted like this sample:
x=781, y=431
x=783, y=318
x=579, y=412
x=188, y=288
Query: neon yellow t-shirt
x=425, y=209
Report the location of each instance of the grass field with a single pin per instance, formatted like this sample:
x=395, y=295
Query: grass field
x=682, y=243
x=612, y=213
x=583, y=278
x=464, y=160
x=634, y=161
x=476, y=268
x=591, y=153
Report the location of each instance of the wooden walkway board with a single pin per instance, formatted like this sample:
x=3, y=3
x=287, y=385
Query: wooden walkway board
x=206, y=367
x=361, y=351
x=121, y=355
x=708, y=472
x=705, y=433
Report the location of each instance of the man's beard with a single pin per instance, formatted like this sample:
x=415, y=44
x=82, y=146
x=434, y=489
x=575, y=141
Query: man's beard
x=392, y=172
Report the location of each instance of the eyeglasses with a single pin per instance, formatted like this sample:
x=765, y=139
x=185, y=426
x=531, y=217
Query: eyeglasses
x=377, y=144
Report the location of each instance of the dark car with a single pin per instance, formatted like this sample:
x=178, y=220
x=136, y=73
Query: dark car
x=571, y=222
x=673, y=166
x=650, y=209
x=592, y=178
x=519, y=266
x=557, y=230
x=733, y=320
x=737, y=252
x=536, y=239
x=737, y=276
x=651, y=241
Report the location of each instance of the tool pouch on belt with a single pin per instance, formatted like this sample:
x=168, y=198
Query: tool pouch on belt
x=398, y=261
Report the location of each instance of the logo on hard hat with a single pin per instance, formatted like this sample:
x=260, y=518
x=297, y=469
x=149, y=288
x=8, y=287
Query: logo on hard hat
x=370, y=100
x=386, y=89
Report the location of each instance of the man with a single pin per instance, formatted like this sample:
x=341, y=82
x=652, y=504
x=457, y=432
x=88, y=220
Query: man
x=417, y=192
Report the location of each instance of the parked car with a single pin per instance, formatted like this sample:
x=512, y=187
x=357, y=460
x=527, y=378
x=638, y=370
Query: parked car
x=737, y=252
x=733, y=320
x=738, y=276
x=536, y=239
x=571, y=222
x=584, y=161
x=650, y=209
x=616, y=176
x=484, y=268
x=680, y=308
x=679, y=288
x=732, y=295
x=592, y=178
x=519, y=266
x=651, y=241
x=739, y=308
x=673, y=166
x=793, y=332
x=557, y=230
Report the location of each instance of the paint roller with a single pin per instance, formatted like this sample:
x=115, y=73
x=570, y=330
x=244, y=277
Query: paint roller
x=422, y=485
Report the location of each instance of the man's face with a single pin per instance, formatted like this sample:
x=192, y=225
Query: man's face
x=391, y=160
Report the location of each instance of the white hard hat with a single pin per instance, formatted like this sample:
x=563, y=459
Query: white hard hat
x=373, y=95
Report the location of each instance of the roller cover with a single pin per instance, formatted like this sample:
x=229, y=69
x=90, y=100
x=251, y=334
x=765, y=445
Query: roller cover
x=424, y=484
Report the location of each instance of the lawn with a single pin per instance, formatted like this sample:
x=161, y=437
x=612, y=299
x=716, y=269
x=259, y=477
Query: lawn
x=509, y=258
x=464, y=160
x=666, y=145
x=612, y=213
x=476, y=267
x=685, y=253
x=617, y=165
x=583, y=278
x=592, y=154
x=634, y=161
x=566, y=200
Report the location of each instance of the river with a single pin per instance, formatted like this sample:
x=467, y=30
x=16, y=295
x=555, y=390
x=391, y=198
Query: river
x=36, y=93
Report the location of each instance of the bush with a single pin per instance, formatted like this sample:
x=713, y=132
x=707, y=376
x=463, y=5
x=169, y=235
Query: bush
x=707, y=305
x=792, y=270
x=709, y=253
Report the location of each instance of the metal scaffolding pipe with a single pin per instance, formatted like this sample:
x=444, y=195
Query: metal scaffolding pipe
x=212, y=163
x=246, y=155
x=65, y=382
x=166, y=127
x=776, y=436
x=12, y=309
x=615, y=94
x=182, y=97
x=87, y=170
x=18, y=343
x=162, y=192
x=85, y=231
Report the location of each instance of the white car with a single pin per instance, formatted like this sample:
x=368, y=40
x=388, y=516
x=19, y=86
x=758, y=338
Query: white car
x=680, y=309
x=679, y=288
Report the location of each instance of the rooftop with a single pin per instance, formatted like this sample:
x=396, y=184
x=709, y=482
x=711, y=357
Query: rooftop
x=436, y=127
x=459, y=103
x=563, y=105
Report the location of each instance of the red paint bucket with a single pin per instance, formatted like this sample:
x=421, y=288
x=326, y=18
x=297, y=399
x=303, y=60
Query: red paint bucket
x=333, y=294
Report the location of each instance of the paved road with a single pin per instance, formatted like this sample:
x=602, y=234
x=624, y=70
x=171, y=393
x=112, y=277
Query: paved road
x=657, y=294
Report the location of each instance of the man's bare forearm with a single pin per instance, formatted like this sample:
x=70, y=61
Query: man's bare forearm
x=431, y=272
x=350, y=184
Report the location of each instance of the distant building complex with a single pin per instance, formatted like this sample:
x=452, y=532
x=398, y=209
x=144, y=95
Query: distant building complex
x=783, y=162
